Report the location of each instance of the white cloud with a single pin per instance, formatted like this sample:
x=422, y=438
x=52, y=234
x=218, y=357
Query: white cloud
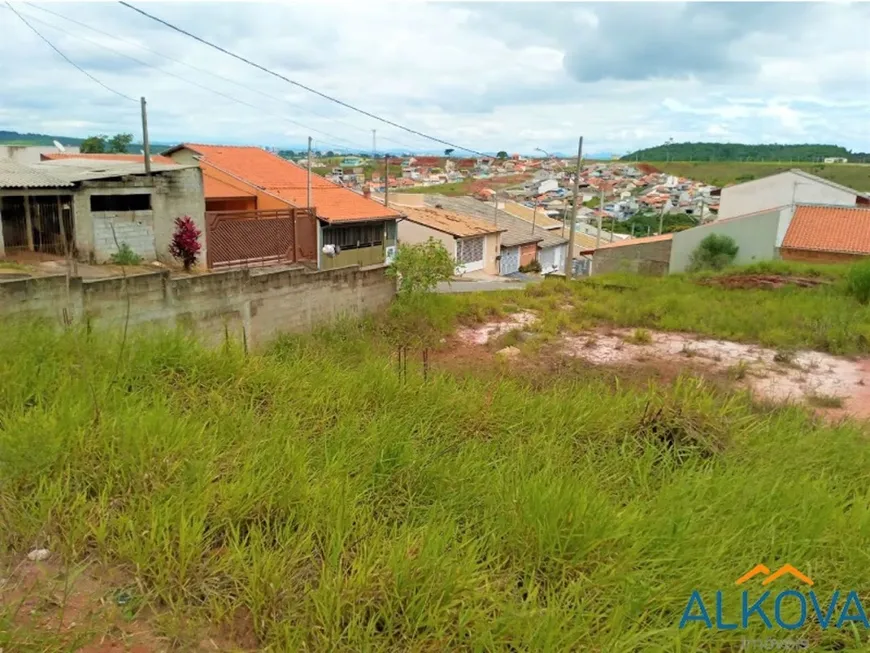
x=488, y=76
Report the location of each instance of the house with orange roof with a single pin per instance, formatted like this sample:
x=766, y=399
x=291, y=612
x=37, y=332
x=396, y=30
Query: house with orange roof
x=351, y=229
x=821, y=233
x=827, y=234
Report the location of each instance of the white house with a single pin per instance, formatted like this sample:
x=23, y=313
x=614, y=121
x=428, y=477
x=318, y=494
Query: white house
x=789, y=187
x=475, y=244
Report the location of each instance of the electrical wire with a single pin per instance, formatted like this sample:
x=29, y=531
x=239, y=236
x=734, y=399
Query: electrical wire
x=67, y=59
x=202, y=70
x=354, y=147
x=300, y=85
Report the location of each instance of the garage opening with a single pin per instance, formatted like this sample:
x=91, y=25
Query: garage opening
x=43, y=223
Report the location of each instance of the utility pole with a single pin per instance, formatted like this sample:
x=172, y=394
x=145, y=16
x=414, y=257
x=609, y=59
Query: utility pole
x=495, y=207
x=146, y=146
x=309, y=173
x=600, y=211
x=569, y=260
x=534, y=216
x=386, y=179
x=662, y=219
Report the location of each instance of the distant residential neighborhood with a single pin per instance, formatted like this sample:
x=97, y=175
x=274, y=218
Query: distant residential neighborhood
x=498, y=216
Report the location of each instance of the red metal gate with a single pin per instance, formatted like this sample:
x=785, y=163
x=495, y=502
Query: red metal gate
x=248, y=238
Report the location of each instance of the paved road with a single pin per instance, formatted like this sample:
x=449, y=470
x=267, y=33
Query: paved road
x=481, y=286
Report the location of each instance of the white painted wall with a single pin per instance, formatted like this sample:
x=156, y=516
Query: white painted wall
x=32, y=153
x=779, y=190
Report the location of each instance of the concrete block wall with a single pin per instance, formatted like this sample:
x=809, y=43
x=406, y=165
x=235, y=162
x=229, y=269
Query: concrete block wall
x=174, y=193
x=236, y=304
x=137, y=232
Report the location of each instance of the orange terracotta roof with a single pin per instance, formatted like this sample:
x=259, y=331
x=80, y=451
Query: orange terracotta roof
x=135, y=158
x=214, y=188
x=449, y=222
x=288, y=181
x=829, y=229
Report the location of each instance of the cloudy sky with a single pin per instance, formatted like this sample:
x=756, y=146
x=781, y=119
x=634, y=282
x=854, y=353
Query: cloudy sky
x=486, y=76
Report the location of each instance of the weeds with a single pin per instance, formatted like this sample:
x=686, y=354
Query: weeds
x=126, y=256
x=306, y=499
x=825, y=401
x=738, y=371
x=640, y=337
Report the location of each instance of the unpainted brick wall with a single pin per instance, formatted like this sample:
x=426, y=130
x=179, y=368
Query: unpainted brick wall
x=246, y=307
x=135, y=231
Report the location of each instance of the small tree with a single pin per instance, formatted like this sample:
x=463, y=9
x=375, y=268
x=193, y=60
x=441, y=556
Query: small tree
x=501, y=155
x=421, y=266
x=448, y=151
x=119, y=143
x=185, y=243
x=858, y=281
x=715, y=252
x=93, y=145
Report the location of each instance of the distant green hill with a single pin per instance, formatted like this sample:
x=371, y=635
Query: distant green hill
x=17, y=138
x=743, y=152
x=724, y=173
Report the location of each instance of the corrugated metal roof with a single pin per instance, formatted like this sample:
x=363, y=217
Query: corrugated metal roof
x=19, y=175
x=74, y=170
x=517, y=230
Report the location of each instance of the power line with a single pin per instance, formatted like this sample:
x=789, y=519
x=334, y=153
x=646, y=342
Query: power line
x=300, y=85
x=67, y=59
x=198, y=69
x=188, y=81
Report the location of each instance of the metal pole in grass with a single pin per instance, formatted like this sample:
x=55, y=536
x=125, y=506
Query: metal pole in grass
x=569, y=260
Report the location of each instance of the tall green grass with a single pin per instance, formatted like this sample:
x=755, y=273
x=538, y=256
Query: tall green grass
x=341, y=508
x=825, y=318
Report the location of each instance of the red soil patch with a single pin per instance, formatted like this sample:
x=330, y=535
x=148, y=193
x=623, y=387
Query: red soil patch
x=763, y=281
x=77, y=608
x=647, y=169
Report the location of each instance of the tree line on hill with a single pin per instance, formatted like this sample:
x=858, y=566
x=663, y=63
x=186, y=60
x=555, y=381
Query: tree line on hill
x=744, y=152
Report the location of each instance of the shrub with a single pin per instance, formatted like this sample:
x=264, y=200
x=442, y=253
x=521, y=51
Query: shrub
x=126, y=256
x=858, y=281
x=185, y=243
x=533, y=266
x=421, y=266
x=715, y=252
x=640, y=337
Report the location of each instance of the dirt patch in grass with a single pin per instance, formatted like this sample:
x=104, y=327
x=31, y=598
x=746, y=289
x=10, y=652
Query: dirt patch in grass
x=87, y=608
x=484, y=333
x=801, y=376
x=763, y=281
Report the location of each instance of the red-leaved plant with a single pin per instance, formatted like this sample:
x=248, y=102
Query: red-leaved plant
x=185, y=244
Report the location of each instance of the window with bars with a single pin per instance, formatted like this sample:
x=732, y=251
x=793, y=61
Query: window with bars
x=469, y=250
x=355, y=236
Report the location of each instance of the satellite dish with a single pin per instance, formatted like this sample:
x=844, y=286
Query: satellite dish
x=60, y=148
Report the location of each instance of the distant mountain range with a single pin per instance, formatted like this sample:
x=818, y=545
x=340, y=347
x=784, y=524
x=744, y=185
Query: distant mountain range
x=744, y=152
x=664, y=152
x=46, y=140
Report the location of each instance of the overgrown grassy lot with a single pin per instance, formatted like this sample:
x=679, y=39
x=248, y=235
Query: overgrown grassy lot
x=824, y=318
x=722, y=173
x=313, y=494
